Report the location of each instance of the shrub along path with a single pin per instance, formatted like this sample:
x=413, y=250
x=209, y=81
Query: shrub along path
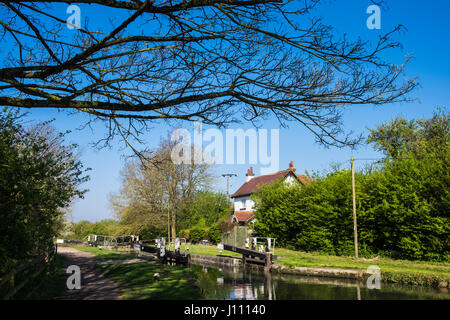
x=94, y=285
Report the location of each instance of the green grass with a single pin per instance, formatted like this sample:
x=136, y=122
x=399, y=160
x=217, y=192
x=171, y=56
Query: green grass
x=208, y=250
x=292, y=258
x=406, y=272
x=135, y=280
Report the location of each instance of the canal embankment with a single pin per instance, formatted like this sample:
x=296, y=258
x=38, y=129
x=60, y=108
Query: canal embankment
x=403, y=272
x=225, y=278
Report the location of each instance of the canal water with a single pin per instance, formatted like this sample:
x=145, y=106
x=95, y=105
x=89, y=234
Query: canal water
x=233, y=283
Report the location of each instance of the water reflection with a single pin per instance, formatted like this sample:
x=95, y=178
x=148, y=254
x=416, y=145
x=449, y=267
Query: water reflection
x=235, y=283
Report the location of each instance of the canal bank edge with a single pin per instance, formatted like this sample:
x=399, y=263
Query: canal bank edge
x=351, y=274
x=337, y=273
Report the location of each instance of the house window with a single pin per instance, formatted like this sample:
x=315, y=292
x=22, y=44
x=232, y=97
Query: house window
x=243, y=209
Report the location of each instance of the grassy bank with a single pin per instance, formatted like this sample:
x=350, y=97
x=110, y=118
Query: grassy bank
x=136, y=281
x=420, y=273
x=211, y=251
x=49, y=282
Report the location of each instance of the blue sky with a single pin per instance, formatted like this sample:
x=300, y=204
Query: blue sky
x=426, y=38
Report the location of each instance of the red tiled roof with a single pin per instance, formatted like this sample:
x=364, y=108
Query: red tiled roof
x=244, y=216
x=251, y=186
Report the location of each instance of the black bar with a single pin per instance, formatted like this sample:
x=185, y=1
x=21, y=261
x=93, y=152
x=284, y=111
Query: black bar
x=246, y=252
x=255, y=261
x=149, y=249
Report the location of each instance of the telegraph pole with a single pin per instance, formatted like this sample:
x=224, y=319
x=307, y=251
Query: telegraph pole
x=355, y=229
x=168, y=220
x=228, y=175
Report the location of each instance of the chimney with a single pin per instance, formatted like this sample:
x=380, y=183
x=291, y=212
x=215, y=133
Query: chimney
x=249, y=174
x=291, y=166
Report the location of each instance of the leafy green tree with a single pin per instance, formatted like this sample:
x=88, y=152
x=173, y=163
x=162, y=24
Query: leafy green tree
x=108, y=227
x=401, y=137
x=214, y=234
x=313, y=217
x=411, y=198
x=408, y=207
x=82, y=229
x=39, y=175
x=402, y=204
x=197, y=234
x=204, y=210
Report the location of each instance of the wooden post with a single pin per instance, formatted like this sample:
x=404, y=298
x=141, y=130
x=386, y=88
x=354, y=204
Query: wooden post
x=268, y=265
x=355, y=229
x=228, y=188
x=228, y=175
x=188, y=259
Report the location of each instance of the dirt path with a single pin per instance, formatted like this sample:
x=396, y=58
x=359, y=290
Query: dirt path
x=94, y=286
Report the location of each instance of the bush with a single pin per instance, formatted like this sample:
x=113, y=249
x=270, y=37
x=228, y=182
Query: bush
x=401, y=211
x=184, y=234
x=197, y=235
x=215, y=234
x=203, y=210
x=39, y=176
x=226, y=225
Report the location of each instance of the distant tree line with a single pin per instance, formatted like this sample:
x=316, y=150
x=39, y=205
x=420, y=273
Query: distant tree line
x=40, y=175
x=197, y=219
x=402, y=201
x=83, y=228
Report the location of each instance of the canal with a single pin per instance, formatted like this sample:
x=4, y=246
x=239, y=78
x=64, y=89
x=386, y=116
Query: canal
x=233, y=283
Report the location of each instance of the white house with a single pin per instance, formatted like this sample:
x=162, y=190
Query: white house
x=243, y=204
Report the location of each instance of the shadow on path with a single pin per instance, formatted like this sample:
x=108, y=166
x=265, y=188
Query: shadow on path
x=94, y=286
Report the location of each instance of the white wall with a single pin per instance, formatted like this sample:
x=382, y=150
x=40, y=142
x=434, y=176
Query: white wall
x=290, y=179
x=243, y=202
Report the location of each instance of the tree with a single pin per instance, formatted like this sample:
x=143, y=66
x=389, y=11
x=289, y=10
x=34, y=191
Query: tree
x=197, y=234
x=84, y=228
x=203, y=210
x=412, y=198
x=217, y=61
x=215, y=234
x=405, y=209
x=400, y=138
x=402, y=204
x=151, y=195
x=312, y=217
x=139, y=204
x=39, y=176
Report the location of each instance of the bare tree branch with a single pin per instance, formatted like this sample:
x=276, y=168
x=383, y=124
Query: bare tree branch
x=218, y=61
